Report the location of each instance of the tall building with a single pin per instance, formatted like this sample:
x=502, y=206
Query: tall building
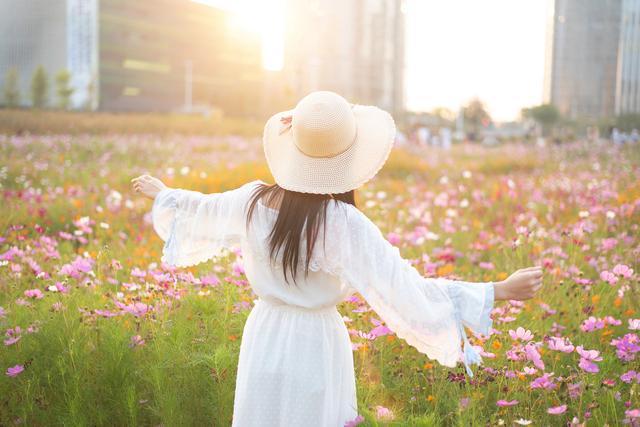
x=352, y=47
x=164, y=55
x=628, y=76
x=593, y=53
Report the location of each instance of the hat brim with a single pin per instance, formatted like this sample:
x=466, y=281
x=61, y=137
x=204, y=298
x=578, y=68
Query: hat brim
x=295, y=171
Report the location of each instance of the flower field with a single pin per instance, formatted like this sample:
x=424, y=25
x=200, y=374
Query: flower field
x=96, y=331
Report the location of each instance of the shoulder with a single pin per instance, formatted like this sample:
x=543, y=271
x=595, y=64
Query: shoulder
x=350, y=219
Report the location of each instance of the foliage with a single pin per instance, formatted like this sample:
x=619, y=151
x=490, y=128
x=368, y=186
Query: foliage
x=78, y=252
x=476, y=116
x=63, y=89
x=11, y=89
x=39, y=88
x=97, y=123
x=546, y=115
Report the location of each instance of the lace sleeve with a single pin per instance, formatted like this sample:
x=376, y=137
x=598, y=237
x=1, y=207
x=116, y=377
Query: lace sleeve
x=196, y=226
x=429, y=314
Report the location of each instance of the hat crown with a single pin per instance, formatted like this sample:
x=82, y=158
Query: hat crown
x=323, y=124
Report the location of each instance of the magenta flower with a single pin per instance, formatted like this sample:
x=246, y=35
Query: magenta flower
x=394, y=238
x=383, y=413
x=136, y=272
x=138, y=309
x=609, y=277
x=560, y=344
x=627, y=346
x=136, y=341
x=587, y=359
x=506, y=403
x=592, y=324
x=589, y=354
x=15, y=370
x=531, y=352
x=521, y=334
x=623, y=271
x=545, y=382
x=356, y=421
x=557, y=410
x=630, y=376
x=33, y=293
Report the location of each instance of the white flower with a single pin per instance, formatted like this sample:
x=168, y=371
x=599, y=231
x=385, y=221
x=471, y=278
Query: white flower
x=522, y=422
x=184, y=170
x=104, y=225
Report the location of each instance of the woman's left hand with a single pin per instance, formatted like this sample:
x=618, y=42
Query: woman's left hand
x=148, y=186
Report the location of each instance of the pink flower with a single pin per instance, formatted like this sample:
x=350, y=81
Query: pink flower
x=623, y=270
x=138, y=309
x=532, y=354
x=609, y=243
x=630, y=376
x=592, y=324
x=136, y=341
x=356, y=421
x=33, y=293
x=383, y=413
x=521, y=334
x=504, y=403
x=380, y=329
x=545, y=381
x=486, y=265
x=560, y=344
x=632, y=413
x=15, y=370
x=589, y=354
x=557, y=410
x=587, y=359
x=136, y=272
x=394, y=238
x=609, y=277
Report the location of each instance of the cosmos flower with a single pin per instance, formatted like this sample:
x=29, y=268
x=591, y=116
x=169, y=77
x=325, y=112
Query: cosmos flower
x=557, y=410
x=521, y=334
x=15, y=370
x=506, y=403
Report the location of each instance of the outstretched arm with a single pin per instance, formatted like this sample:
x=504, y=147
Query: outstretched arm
x=148, y=186
x=195, y=226
x=521, y=285
x=428, y=313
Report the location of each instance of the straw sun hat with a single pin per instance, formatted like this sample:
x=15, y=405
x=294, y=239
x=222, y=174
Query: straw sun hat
x=326, y=145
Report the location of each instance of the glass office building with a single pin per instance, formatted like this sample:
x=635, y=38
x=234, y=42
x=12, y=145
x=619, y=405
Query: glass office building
x=161, y=55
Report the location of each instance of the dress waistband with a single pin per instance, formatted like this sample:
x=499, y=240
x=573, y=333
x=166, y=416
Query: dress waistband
x=295, y=308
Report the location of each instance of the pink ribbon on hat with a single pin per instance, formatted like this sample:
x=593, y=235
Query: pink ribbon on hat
x=286, y=121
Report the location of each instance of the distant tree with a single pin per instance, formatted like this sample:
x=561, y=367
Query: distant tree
x=546, y=115
x=476, y=115
x=627, y=122
x=444, y=115
x=11, y=89
x=63, y=89
x=39, y=88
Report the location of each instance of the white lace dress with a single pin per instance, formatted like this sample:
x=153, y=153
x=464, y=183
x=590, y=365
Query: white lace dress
x=296, y=363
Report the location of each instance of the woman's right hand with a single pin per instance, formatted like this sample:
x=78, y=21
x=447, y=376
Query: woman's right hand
x=521, y=285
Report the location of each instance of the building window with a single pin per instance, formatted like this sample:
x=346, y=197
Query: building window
x=131, y=91
x=154, y=67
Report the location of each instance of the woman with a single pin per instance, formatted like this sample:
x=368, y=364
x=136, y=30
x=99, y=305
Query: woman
x=306, y=247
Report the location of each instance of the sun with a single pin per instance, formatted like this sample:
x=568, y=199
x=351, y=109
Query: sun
x=265, y=17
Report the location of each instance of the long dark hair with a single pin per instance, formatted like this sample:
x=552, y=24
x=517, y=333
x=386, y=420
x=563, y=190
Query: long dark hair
x=298, y=213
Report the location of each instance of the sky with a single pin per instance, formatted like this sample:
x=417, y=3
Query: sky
x=492, y=49
x=455, y=50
